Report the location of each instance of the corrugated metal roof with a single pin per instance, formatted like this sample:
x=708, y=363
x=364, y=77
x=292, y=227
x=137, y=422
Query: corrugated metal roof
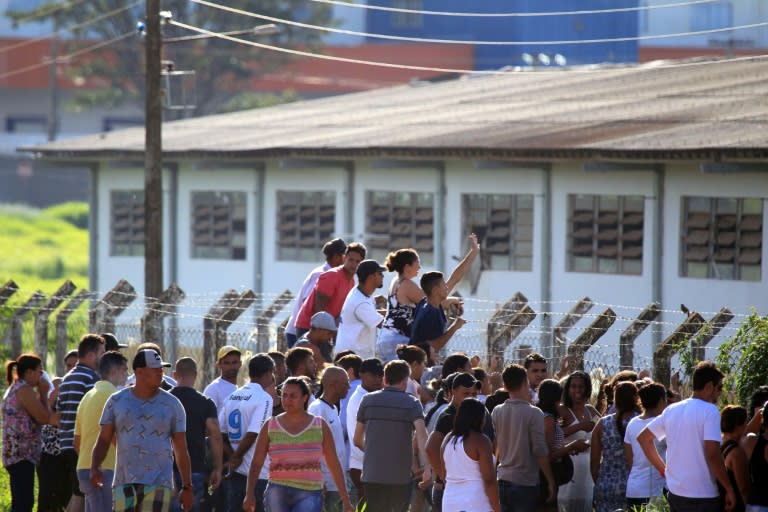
x=665, y=110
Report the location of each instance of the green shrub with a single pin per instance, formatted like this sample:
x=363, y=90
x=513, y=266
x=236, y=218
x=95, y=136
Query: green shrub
x=76, y=213
x=744, y=358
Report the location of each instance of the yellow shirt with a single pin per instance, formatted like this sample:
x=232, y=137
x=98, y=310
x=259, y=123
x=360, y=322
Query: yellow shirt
x=87, y=424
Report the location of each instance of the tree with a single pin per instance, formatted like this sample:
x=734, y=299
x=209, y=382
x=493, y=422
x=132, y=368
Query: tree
x=744, y=357
x=224, y=69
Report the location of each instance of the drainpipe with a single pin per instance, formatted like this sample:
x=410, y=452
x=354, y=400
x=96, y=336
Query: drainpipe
x=173, y=249
x=93, y=229
x=545, y=262
x=258, y=245
x=440, y=211
x=657, y=257
x=349, y=220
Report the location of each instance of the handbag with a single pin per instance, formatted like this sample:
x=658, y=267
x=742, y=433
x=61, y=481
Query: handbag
x=562, y=469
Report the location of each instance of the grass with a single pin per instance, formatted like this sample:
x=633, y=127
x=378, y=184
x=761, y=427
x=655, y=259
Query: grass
x=41, y=249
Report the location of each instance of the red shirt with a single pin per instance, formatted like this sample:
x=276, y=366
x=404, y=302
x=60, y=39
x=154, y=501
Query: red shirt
x=332, y=283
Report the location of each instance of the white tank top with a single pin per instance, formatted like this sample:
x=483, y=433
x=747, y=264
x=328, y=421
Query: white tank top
x=464, y=488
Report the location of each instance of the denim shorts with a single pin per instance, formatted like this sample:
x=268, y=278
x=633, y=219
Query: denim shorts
x=281, y=498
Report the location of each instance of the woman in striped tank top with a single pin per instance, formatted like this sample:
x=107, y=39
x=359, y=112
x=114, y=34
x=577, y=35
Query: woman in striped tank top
x=295, y=441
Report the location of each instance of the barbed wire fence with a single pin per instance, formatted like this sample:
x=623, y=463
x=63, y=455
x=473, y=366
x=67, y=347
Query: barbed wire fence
x=596, y=337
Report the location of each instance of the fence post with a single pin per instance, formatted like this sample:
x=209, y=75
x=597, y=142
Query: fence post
x=560, y=331
x=710, y=330
x=282, y=345
x=8, y=289
x=61, y=328
x=209, y=334
x=630, y=334
x=17, y=320
x=507, y=323
x=42, y=315
x=662, y=356
x=266, y=316
x=102, y=315
x=155, y=311
x=230, y=314
x=586, y=339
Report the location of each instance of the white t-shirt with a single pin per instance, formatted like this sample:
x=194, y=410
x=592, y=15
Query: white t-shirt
x=331, y=416
x=644, y=480
x=306, y=289
x=686, y=425
x=355, y=453
x=218, y=391
x=244, y=411
x=357, y=325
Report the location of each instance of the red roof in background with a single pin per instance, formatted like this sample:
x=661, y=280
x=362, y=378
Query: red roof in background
x=650, y=53
x=321, y=76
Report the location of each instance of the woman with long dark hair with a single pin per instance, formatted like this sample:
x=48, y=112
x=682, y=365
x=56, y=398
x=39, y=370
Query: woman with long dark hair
x=756, y=449
x=295, y=441
x=24, y=410
x=468, y=466
x=608, y=464
x=550, y=392
x=579, y=419
x=733, y=424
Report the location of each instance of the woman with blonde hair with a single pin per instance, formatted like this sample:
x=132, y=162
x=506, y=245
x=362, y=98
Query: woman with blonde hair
x=25, y=409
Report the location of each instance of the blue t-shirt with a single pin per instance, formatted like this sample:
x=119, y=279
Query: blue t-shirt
x=429, y=322
x=144, y=429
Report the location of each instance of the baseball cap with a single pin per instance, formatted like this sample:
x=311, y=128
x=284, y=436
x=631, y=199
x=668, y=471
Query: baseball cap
x=368, y=267
x=372, y=365
x=323, y=320
x=335, y=246
x=226, y=350
x=148, y=358
x=464, y=380
x=111, y=343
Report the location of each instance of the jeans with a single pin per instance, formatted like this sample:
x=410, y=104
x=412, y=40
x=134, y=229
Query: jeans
x=386, y=345
x=756, y=508
x=517, y=498
x=682, y=504
x=96, y=498
x=281, y=498
x=199, y=491
x=387, y=497
x=290, y=339
x=22, y=475
x=235, y=491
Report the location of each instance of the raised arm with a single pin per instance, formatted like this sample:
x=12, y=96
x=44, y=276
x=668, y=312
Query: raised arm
x=463, y=266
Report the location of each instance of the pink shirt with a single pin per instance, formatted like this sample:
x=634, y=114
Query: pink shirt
x=333, y=284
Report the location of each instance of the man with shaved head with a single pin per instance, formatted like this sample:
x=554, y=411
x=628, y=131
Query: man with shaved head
x=335, y=386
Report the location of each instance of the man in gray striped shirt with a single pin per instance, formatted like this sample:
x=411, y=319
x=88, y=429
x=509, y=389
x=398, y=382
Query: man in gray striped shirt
x=73, y=387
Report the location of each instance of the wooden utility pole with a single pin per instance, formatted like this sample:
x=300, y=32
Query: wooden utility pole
x=153, y=163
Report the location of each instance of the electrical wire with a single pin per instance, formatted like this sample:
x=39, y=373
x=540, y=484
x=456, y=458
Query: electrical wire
x=68, y=57
x=73, y=27
x=468, y=42
x=348, y=60
x=510, y=14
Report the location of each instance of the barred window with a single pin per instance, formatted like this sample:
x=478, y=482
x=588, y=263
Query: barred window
x=219, y=225
x=127, y=223
x=504, y=224
x=606, y=234
x=305, y=221
x=722, y=238
x=397, y=220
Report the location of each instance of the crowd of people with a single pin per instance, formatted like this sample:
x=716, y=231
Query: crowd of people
x=366, y=411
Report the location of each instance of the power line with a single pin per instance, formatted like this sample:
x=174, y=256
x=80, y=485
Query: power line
x=68, y=57
x=510, y=14
x=468, y=42
x=301, y=53
x=73, y=27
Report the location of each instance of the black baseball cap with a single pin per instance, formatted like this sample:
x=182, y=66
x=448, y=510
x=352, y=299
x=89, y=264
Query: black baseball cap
x=111, y=343
x=373, y=366
x=368, y=267
x=148, y=358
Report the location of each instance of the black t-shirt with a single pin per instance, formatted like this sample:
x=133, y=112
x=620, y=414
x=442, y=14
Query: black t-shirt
x=198, y=408
x=445, y=423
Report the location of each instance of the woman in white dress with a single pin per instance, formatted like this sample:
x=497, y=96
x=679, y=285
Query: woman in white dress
x=579, y=419
x=469, y=469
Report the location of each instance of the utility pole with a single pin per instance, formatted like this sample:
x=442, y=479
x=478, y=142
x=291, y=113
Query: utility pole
x=53, y=86
x=153, y=163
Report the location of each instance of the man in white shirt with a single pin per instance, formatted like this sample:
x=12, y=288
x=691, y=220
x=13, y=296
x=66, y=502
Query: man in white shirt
x=692, y=429
x=335, y=385
x=240, y=419
x=228, y=361
x=371, y=379
x=334, y=256
x=359, y=318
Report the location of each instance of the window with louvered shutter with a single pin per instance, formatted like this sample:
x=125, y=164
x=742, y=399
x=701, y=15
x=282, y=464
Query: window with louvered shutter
x=219, y=225
x=305, y=221
x=398, y=220
x=722, y=238
x=504, y=225
x=606, y=233
x=127, y=223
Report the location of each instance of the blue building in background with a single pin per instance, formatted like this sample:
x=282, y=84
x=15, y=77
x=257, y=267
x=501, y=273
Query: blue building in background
x=560, y=27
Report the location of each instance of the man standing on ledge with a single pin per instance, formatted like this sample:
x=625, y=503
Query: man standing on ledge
x=150, y=428
x=359, y=318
